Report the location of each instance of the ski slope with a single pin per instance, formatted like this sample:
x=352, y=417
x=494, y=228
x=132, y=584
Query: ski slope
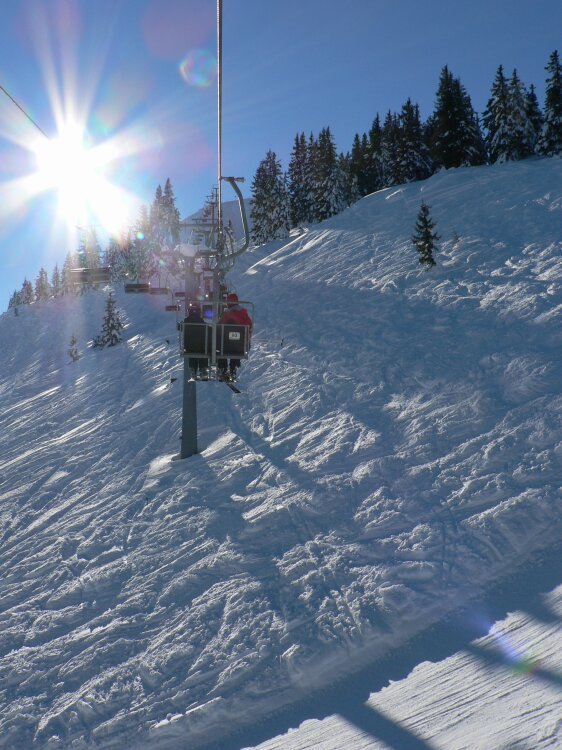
x=395, y=455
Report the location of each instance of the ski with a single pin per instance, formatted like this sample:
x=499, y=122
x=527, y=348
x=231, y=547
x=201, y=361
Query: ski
x=232, y=386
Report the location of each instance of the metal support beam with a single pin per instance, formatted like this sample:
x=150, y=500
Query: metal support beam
x=189, y=413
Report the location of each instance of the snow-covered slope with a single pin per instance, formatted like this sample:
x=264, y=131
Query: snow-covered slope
x=396, y=450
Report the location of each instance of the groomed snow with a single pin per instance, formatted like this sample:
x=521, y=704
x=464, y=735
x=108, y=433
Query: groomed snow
x=396, y=452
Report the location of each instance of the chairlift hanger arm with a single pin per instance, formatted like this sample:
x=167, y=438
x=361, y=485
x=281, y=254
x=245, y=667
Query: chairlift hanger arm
x=232, y=181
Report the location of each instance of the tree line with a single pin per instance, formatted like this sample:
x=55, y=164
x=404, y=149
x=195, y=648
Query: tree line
x=319, y=182
x=140, y=251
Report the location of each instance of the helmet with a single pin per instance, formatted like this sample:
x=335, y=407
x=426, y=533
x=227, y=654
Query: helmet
x=232, y=298
x=193, y=307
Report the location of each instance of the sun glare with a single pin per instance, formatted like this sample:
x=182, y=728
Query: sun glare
x=76, y=172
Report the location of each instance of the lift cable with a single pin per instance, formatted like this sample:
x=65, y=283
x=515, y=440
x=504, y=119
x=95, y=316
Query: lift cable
x=24, y=112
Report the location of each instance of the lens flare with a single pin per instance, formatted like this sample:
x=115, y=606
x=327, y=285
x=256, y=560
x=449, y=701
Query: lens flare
x=199, y=68
x=520, y=663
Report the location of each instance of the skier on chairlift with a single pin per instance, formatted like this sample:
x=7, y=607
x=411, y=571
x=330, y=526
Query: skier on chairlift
x=234, y=314
x=198, y=366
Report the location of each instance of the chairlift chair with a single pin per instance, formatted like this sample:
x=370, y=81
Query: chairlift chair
x=84, y=276
x=137, y=287
x=212, y=340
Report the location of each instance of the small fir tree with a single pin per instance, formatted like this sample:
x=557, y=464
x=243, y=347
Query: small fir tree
x=111, y=327
x=73, y=352
x=424, y=237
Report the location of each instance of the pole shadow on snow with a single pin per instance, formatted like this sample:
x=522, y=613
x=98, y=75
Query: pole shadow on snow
x=348, y=697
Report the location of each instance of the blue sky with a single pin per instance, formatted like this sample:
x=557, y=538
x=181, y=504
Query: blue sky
x=138, y=75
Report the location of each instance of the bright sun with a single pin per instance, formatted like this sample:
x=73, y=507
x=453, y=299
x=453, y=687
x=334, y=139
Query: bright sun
x=77, y=173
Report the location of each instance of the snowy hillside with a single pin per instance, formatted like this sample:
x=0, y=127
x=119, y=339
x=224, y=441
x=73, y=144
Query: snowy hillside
x=396, y=450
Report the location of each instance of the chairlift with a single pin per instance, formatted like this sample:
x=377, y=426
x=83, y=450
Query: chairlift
x=137, y=287
x=159, y=290
x=212, y=340
x=85, y=276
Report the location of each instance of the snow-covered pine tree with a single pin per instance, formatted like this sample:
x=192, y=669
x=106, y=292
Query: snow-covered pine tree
x=375, y=175
x=329, y=183
x=15, y=300
x=26, y=294
x=170, y=216
x=496, y=118
x=73, y=352
x=56, y=282
x=270, y=201
x=551, y=137
x=424, y=238
x=310, y=176
x=112, y=325
x=534, y=114
x=142, y=262
x=521, y=130
x=164, y=227
x=413, y=161
x=299, y=199
x=456, y=139
x=42, y=286
x=70, y=262
x=389, y=149
x=351, y=189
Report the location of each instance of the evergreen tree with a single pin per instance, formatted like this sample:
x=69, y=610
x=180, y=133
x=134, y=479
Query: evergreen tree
x=157, y=219
x=390, y=137
x=170, y=216
x=270, y=201
x=70, y=262
x=73, y=352
x=522, y=136
x=89, y=252
x=310, y=176
x=15, y=300
x=329, y=183
x=26, y=294
x=424, y=237
x=455, y=136
x=351, y=188
x=497, y=120
x=375, y=173
x=551, y=136
x=111, y=327
x=164, y=228
x=534, y=114
x=42, y=286
x=413, y=161
x=56, y=282
x=299, y=198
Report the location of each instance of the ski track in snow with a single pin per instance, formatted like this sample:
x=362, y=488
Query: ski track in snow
x=396, y=450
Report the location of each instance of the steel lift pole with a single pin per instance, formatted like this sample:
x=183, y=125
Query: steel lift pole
x=189, y=410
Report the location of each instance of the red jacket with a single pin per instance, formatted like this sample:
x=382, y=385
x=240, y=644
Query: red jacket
x=237, y=315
